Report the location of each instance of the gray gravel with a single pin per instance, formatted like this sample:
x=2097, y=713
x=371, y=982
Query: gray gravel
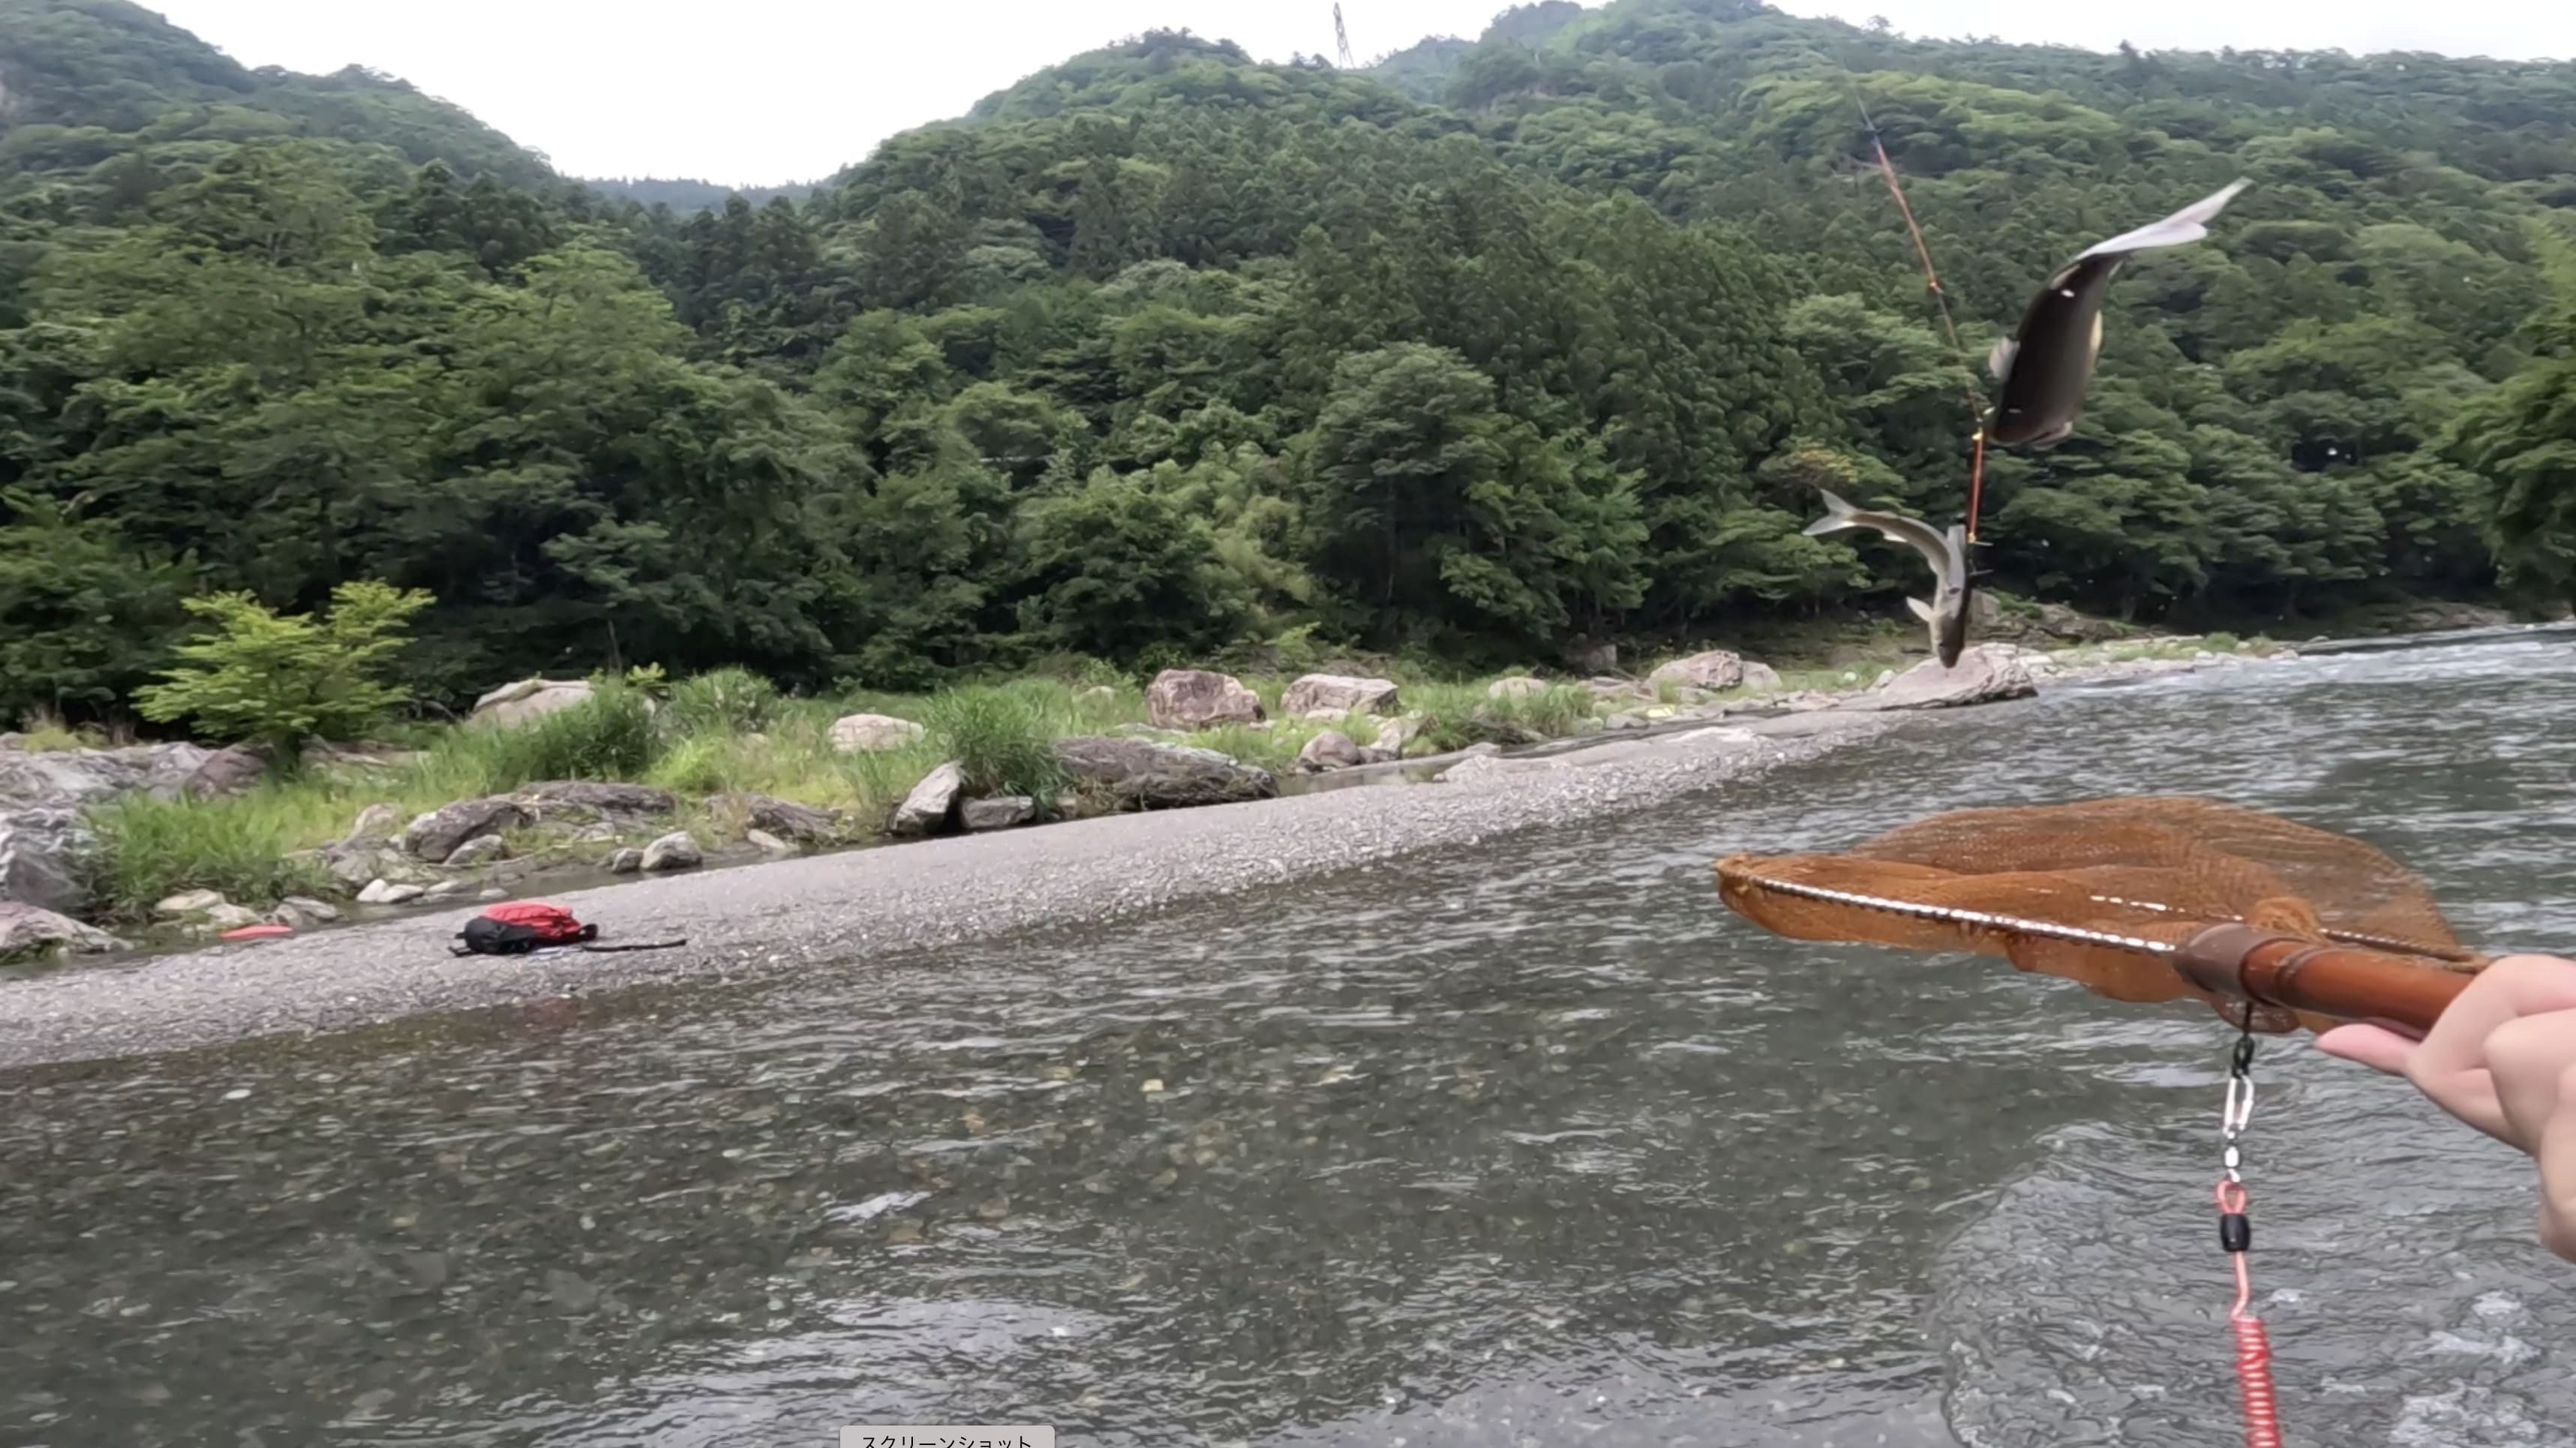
x=870, y=903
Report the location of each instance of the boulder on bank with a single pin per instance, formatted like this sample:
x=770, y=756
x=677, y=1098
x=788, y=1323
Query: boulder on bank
x=674, y=851
x=29, y=932
x=71, y=777
x=40, y=854
x=1985, y=674
x=556, y=798
x=226, y=771
x=803, y=824
x=1519, y=686
x=626, y=862
x=386, y=892
x=527, y=701
x=1331, y=749
x=480, y=850
x=435, y=836
x=999, y=813
x=1192, y=699
x=1337, y=695
x=932, y=803
x=874, y=733
x=1138, y=774
x=1760, y=676
x=1712, y=670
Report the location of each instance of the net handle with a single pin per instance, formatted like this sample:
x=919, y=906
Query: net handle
x=2332, y=980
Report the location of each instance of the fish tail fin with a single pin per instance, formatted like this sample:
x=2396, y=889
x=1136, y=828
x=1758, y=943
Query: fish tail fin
x=1920, y=609
x=2180, y=229
x=1838, y=516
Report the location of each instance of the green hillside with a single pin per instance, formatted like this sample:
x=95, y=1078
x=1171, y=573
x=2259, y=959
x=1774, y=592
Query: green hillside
x=1161, y=351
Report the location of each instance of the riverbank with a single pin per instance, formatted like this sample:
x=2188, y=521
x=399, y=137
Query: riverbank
x=861, y=907
x=557, y=784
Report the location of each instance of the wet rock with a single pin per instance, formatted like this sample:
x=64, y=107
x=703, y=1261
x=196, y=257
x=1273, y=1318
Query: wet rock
x=1135, y=774
x=1985, y=674
x=435, y=836
x=674, y=851
x=1337, y=694
x=375, y=822
x=386, y=892
x=932, y=803
x=1000, y=813
x=303, y=912
x=30, y=932
x=355, y=863
x=444, y=890
x=226, y=771
x=481, y=850
x=527, y=701
x=557, y=798
x=801, y=823
x=1192, y=699
x=1517, y=687
x=626, y=862
x=1712, y=670
x=231, y=917
x=1331, y=749
x=41, y=850
x=189, y=902
x=873, y=733
x=767, y=843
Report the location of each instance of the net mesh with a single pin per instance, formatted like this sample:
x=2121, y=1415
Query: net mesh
x=2134, y=874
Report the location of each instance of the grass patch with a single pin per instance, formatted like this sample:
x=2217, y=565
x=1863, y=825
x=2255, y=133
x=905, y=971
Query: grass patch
x=1002, y=737
x=151, y=849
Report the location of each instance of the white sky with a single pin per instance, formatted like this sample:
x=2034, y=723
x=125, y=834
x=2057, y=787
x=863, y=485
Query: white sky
x=748, y=92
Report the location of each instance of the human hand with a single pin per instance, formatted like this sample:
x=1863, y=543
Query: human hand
x=2503, y=1059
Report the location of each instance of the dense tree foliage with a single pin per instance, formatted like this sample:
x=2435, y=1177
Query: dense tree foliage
x=1496, y=345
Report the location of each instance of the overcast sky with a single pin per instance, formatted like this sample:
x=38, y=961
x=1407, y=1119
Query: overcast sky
x=748, y=92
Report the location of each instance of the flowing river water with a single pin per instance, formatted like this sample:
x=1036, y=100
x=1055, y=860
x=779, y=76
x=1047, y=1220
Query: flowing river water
x=1526, y=1146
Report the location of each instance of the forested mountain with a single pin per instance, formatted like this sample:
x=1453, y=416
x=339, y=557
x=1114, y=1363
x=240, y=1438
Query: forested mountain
x=688, y=194
x=1161, y=349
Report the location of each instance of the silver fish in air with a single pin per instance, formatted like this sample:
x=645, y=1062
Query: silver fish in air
x=1947, y=613
x=2045, y=367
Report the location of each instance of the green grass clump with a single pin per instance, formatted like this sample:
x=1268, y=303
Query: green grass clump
x=609, y=736
x=1459, y=715
x=1002, y=738
x=151, y=849
x=731, y=701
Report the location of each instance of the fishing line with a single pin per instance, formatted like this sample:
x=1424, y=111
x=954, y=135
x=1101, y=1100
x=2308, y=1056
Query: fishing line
x=1940, y=299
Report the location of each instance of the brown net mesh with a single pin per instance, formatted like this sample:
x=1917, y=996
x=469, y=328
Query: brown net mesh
x=2100, y=892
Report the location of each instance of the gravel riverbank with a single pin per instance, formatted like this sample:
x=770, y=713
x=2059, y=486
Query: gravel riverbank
x=874, y=902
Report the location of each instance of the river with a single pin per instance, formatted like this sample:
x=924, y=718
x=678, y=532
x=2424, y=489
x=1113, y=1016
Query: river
x=1527, y=1146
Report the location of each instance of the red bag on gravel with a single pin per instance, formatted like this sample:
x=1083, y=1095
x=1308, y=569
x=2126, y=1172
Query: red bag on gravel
x=518, y=926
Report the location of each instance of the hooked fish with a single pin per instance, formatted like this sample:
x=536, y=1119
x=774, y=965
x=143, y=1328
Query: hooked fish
x=2045, y=366
x=1947, y=613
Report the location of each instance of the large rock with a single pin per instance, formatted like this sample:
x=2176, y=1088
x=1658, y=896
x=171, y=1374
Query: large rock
x=1712, y=670
x=70, y=777
x=1337, y=694
x=1135, y=773
x=30, y=932
x=386, y=892
x=932, y=803
x=674, y=851
x=802, y=823
x=435, y=836
x=2058, y=621
x=226, y=771
x=1519, y=686
x=1197, y=699
x=355, y=862
x=41, y=850
x=375, y=822
x=1000, y=813
x=554, y=798
x=1331, y=749
x=1760, y=676
x=528, y=700
x=873, y=733
x=188, y=902
x=1985, y=674
x=480, y=850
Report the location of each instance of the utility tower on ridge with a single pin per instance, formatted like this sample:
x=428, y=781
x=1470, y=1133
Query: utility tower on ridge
x=1342, y=38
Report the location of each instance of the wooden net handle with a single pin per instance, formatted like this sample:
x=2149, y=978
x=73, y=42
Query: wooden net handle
x=2342, y=981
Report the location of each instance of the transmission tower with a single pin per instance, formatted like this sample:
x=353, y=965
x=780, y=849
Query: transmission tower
x=1342, y=38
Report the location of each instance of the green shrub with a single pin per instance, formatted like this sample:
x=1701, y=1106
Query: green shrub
x=609, y=735
x=725, y=701
x=279, y=680
x=1002, y=739
x=150, y=849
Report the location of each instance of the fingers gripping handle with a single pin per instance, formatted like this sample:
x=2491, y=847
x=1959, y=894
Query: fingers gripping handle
x=2301, y=975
